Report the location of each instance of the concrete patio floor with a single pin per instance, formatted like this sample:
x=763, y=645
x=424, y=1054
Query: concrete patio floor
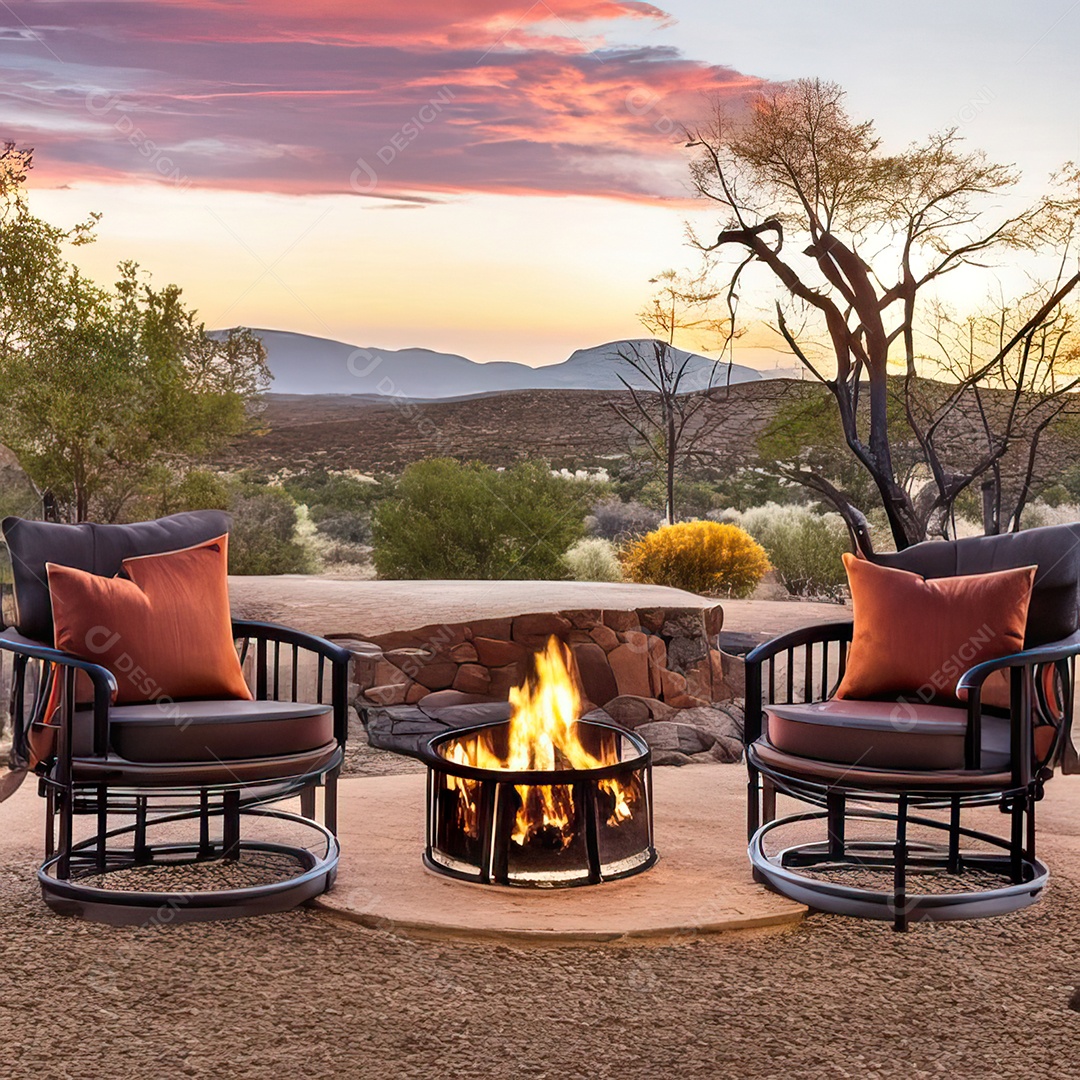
x=700, y=885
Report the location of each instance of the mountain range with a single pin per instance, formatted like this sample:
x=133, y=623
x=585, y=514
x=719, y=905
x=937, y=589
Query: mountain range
x=303, y=364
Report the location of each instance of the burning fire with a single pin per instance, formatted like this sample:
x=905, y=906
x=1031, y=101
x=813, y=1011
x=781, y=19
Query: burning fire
x=542, y=736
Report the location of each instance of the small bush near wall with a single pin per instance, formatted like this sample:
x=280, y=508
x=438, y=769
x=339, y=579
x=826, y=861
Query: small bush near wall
x=804, y=547
x=593, y=559
x=699, y=556
x=452, y=520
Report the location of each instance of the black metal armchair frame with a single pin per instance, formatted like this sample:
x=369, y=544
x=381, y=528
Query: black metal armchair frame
x=69, y=862
x=823, y=650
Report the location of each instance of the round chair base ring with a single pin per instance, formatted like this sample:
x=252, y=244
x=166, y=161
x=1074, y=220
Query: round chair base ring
x=314, y=870
x=780, y=872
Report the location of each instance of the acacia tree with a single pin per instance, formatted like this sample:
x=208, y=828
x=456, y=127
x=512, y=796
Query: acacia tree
x=858, y=240
x=666, y=415
x=98, y=386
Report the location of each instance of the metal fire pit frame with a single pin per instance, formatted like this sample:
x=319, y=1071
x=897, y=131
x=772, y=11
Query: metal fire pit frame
x=495, y=836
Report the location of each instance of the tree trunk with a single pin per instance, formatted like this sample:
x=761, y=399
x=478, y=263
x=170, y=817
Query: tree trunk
x=991, y=522
x=670, y=478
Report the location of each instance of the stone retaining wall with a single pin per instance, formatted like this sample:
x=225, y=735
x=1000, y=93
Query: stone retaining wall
x=665, y=654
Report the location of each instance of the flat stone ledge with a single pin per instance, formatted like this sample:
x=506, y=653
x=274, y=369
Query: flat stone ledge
x=701, y=883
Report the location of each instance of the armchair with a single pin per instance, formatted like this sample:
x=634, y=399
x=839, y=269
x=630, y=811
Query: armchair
x=137, y=769
x=916, y=761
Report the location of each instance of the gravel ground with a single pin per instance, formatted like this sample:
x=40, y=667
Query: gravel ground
x=304, y=994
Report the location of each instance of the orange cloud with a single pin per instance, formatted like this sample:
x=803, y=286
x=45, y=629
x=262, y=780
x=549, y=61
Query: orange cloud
x=411, y=99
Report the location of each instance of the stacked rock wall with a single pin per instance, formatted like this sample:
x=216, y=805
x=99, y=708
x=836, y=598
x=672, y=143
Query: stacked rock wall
x=669, y=655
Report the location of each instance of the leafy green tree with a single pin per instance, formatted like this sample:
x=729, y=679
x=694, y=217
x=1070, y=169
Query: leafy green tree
x=452, y=520
x=98, y=386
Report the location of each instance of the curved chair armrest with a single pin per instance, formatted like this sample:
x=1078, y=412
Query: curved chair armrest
x=338, y=656
x=804, y=635
x=288, y=636
x=24, y=646
x=793, y=639
x=970, y=685
x=103, y=680
x=974, y=677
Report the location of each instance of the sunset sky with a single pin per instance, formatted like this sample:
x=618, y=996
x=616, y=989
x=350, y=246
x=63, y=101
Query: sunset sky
x=485, y=176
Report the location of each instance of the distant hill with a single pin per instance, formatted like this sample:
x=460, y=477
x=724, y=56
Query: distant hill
x=303, y=364
x=569, y=428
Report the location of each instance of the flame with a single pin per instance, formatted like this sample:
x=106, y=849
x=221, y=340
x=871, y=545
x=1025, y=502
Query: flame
x=542, y=736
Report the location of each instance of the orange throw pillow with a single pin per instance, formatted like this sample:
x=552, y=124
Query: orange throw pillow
x=916, y=636
x=164, y=631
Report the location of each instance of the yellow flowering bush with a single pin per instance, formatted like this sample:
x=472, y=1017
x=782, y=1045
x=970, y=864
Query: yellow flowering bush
x=699, y=556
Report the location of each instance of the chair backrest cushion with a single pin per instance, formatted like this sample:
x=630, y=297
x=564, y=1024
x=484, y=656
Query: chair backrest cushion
x=98, y=549
x=1054, y=612
x=164, y=630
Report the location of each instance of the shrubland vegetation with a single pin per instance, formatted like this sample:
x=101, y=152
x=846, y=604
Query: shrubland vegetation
x=803, y=546
x=700, y=556
x=593, y=559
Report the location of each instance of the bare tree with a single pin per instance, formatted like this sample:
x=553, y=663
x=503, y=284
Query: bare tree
x=873, y=234
x=1006, y=406
x=667, y=414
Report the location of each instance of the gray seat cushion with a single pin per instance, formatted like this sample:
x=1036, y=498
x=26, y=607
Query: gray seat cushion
x=98, y=549
x=884, y=734
x=214, y=731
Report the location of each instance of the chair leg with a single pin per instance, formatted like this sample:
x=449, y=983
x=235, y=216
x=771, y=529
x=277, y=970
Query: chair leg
x=142, y=852
x=900, y=914
x=206, y=850
x=836, y=804
x=330, y=800
x=307, y=801
x=64, y=833
x=753, y=802
x=50, y=823
x=231, y=826
x=1016, y=845
x=954, y=835
x=102, y=825
x=768, y=801
x=1031, y=828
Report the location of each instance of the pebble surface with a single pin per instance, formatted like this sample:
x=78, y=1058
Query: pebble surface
x=304, y=994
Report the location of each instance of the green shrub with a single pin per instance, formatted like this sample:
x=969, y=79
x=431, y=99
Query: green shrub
x=614, y=520
x=593, y=559
x=263, y=536
x=693, y=498
x=699, y=556
x=200, y=489
x=804, y=547
x=452, y=520
x=336, y=491
x=343, y=526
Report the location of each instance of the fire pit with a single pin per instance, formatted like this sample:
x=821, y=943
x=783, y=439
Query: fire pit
x=543, y=800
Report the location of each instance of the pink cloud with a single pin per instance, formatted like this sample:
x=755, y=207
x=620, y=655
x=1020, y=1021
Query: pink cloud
x=365, y=97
